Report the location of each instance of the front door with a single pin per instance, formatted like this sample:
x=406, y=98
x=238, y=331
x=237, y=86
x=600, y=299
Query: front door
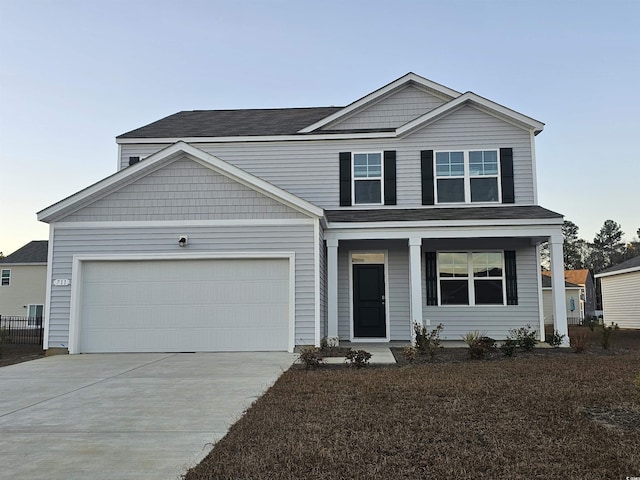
x=369, y=318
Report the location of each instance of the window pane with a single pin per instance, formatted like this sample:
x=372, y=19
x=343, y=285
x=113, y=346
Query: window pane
x=454, y=292
x=367, y=191
x=449, y=164
x=488, y=292
x=487, y=264
x=453, y=264
x=451, y=190
x=482, y=189
x=367, y=165
x=360, y=171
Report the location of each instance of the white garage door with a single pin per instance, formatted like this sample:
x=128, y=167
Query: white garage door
x=184, y=305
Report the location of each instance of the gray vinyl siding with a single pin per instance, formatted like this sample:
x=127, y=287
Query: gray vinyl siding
x=398, y=286
x=309, y=169
x=391, y=112
x=494, y=321
x=206, y=239
x=183, y=189
x=323, y=285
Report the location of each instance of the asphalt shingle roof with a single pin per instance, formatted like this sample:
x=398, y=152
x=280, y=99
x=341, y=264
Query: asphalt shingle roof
x=631, y=263
x=456, y=213
x=232, y=123
x=33, y=252
x=546, y=281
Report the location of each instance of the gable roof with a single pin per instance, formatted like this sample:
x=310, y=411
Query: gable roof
x=157, y=160
x=33, y=252
x=578, y=277
x=306, y=123
x=232, y=123
x=631, y=265
x=546, y=282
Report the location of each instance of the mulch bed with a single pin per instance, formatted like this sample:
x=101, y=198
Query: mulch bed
x=11, y=354
x=548, y=414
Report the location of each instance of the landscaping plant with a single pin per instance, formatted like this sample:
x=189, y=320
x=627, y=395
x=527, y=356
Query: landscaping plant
x=409, y=353
x=555, y=339
x=427, y=342
x=579, y=341
x=479, y=344
x=508, y=347
x=606, y=332
x=311, y=357
x=358, y=358
x=524, y=337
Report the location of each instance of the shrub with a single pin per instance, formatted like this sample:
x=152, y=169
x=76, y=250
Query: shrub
x=329, y=345
x=409, y=354
x=358, y=358
x=508, y=347
x=311, y=357
x=479, y=344
x=427, y=342
x=524, y=337
x=579, y=341
x=606, y=332
x=555, y=339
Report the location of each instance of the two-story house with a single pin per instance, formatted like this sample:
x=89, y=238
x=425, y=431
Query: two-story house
x=270, y=228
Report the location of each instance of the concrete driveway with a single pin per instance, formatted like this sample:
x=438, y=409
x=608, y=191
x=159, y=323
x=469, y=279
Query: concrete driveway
x=124, y=416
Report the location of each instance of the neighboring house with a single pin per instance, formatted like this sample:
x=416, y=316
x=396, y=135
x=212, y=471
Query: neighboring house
x=583, y=304
x=621, y=293
x=574, y=303
x=266, y=229
x=23, y=281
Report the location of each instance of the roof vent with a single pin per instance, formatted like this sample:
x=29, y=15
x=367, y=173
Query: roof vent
x=133, y=160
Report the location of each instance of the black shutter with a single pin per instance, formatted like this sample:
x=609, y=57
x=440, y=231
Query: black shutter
x=345, y=179
x=431, y=272
x=390, y=177
x=426, y=160
x=510, y=275
x=506, y=173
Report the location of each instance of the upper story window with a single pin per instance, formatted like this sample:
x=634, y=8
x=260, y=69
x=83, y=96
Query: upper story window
x=367, y=178
x=5, y=278
x=469, y=176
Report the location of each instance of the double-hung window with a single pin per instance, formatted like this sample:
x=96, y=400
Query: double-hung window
x=471, y=278
x=367, y=178
x=469, y=176
x=5, y=278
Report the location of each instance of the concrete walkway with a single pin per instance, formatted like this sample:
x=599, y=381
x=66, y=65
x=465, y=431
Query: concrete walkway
x=124, y=416
x=380, y=353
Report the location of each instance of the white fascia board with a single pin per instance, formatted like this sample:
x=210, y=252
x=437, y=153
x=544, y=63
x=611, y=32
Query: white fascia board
x=260, y=138
x=446, y=223
x=258, y=222
x=205, y=159
x=471, y=98
x=488, y=231
x=381, y=92
x=24, y=264
x=618, y=272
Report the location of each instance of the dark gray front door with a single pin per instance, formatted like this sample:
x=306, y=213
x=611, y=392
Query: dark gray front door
x=369, y=319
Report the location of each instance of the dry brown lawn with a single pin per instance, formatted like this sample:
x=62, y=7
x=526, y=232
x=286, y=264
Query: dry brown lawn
x=557, y=415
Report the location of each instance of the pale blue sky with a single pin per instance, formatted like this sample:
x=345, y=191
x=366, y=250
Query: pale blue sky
x=75, y=74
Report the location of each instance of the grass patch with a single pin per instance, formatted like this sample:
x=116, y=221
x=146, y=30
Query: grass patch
x=560, y=415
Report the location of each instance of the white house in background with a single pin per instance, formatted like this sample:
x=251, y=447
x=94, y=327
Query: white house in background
x=621, y=293
x=270, y=228
x=23, y=280
x=574, y=295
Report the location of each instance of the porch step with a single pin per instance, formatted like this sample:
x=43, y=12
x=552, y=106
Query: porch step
x=380, y=353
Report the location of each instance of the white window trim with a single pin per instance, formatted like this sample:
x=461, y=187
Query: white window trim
x=470, y=279
x=33, y=325
x=387, y=338
x=354, y=180
x=467, y=176
x=2, y=277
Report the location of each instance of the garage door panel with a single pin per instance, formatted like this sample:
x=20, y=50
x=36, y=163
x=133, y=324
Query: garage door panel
x=189, y=305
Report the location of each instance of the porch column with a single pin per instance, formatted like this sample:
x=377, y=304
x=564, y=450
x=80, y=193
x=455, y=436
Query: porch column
x=557, y=284
x=415, y=281
x=332, y=288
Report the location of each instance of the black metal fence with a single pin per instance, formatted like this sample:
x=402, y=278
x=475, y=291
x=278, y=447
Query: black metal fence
x=21, y=330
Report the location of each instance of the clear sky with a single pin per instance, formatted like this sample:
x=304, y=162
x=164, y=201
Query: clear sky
x=74, y=74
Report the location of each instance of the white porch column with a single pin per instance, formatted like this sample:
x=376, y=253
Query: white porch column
x=415, y=281
x=557, y=284
x=332, y=288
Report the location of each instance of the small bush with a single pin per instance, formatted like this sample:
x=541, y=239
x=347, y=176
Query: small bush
x=524, y=337
x=479, y=344
x=579, y=341
x=555, y=339
x=330, y=345
x=508, y=347
x=409, y=354
x=606, y=332
x=358, y=358
x=427, y=342
x=311, y=357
